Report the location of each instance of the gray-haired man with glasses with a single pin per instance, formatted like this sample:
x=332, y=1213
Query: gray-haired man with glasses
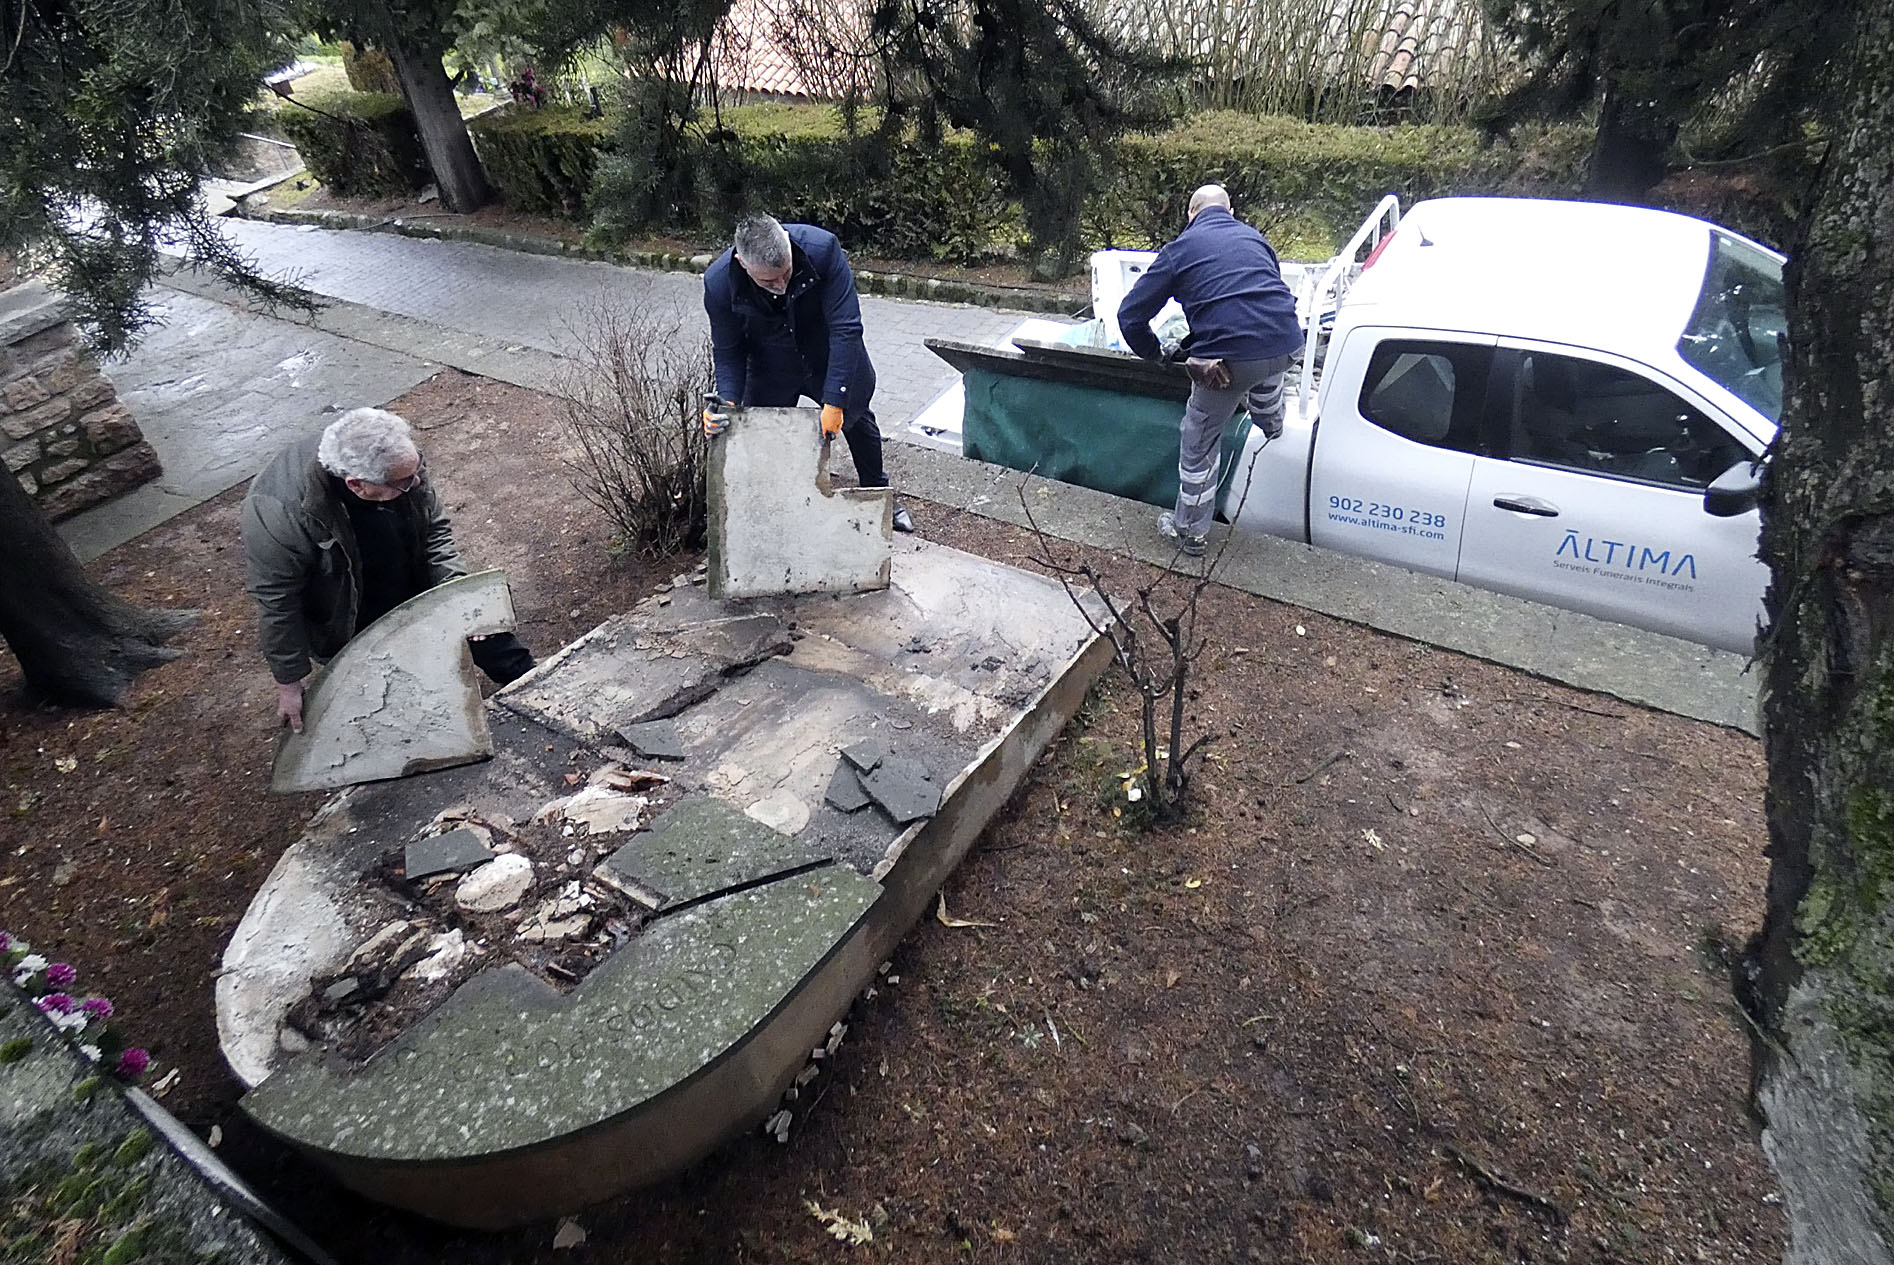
x=338, y=530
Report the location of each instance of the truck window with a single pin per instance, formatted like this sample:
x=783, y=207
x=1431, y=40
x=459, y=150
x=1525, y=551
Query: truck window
x=1427, y=392
x=1600, y=419
x=1737, y=333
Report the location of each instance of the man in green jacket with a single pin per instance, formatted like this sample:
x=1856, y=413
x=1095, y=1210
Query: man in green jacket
x=338, y=530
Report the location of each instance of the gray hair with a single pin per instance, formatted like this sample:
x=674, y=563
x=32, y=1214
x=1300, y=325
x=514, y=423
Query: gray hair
x=366, y=444
x=760, y=240
x=1208, y=195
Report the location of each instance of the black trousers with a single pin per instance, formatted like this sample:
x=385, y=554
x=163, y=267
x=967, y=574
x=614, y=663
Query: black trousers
x=502, y=656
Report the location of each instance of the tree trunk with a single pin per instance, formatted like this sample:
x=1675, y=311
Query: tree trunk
x=458, y=175
x=1821, y=970
x=1631, y=151
x=76, y=643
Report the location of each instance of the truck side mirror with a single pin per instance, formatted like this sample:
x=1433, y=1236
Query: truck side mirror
x=1736, y=491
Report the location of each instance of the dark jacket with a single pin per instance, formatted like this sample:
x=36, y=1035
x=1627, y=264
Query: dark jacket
x=766, y=350
x=1226, y=278
x=301, y=562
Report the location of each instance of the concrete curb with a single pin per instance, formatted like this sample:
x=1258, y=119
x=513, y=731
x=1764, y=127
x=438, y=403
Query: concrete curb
x=1644, y=668
x=890, y=284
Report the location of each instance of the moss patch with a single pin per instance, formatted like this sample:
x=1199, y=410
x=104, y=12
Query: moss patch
x=93, y=1211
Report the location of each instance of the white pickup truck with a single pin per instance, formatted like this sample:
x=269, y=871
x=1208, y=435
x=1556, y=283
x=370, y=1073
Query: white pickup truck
x=1534, y=397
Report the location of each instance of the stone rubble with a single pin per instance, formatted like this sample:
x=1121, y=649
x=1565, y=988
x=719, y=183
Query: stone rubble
x=495, y=886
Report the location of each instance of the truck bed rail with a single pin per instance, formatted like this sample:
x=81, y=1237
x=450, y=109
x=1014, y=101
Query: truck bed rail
x=1328, y=288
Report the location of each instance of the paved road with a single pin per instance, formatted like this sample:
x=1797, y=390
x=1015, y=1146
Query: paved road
x=536, y=300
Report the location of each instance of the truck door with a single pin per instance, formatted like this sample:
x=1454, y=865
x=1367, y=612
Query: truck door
x=1592, y=498
x=1401, y=419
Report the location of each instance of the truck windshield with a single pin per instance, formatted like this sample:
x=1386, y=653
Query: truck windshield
x=1737, y=334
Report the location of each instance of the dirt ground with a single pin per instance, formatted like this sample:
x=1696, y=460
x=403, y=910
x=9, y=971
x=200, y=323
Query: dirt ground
x=1435, y=972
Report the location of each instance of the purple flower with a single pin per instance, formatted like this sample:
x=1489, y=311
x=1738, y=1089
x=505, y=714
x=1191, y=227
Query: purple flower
x=61, y=975
x=55, y=1003
x=6, y=943
x=132, y=1064
x=96, y=1008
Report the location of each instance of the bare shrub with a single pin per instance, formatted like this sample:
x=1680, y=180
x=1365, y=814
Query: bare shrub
x=633, y=398
x=1154, y=642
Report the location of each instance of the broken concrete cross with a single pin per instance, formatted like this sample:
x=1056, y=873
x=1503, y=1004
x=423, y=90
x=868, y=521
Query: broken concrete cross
x=773, y=531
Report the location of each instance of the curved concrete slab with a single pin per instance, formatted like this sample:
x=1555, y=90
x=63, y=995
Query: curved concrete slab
x=402, y=697
x=752, y=913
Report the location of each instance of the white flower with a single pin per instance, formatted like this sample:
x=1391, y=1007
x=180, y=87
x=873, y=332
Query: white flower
x=92, y=1052
x=69, y=1022
x=27, y=967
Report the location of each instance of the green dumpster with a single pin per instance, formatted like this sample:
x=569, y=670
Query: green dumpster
x=1114, y=442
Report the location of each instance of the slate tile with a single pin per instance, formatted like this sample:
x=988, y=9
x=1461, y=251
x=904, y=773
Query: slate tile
x=867, y=753
x=700, y=847
x=655, y=739
x=451, y=853
x=845, y=788
x=904, y=787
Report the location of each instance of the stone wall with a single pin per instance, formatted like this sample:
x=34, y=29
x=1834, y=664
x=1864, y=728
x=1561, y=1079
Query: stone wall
x=63, y=432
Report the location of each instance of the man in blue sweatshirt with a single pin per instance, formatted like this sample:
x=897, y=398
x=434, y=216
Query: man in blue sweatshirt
x=1243, y=337
x=785, y=323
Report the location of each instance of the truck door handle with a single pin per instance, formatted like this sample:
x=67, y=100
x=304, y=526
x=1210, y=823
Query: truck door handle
x=1526, y=505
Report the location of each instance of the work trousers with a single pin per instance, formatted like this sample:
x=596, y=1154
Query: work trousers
x=1254, y=384
x=859, y=428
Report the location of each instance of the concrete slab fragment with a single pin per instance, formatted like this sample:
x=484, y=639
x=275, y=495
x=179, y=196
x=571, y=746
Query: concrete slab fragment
x=631, y=670
x=699, y=848
x=450, y=853
x=401, y=698
x=845, y=789
x=499, y=1066
x=773, y=531
x=654, y=739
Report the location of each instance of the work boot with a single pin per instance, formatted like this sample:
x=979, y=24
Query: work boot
x=903, y=521
x=1188, y=545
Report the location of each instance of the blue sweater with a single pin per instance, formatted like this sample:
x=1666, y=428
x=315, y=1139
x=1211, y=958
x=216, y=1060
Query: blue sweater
x=1226, y=278
x=810, y=336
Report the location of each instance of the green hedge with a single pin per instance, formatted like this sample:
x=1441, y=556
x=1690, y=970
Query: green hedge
x=1307, y=184
x=541, y=160
x=1276, y=170
x=898, y=200
x=363, y=143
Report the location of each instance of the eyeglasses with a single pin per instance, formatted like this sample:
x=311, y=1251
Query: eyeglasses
x=410, y=483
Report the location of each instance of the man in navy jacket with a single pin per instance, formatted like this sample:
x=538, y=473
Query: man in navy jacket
x=785, y=323
x=1243, y=337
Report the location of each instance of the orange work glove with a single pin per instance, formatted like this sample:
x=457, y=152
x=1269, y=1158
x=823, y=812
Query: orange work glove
x=831, y=419
x=716, y=416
